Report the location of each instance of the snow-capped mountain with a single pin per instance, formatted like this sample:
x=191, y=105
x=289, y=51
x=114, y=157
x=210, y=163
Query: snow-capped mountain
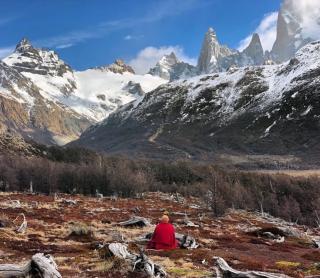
x=271, y=109
x=170, y=68
x=87, y=97
x=213, y=58
x=26, y=112
x=100, y=92
x=291, y=35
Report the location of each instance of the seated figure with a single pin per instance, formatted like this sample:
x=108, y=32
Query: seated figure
x=163, y=237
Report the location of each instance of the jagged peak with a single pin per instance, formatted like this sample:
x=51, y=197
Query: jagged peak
x=211, y=35
x=23, y=45
x=118, y=66
x=255, y=43
x=255, y=39
x=170, y=58
x=211, y=31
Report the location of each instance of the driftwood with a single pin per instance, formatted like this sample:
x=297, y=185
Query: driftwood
x=135, y=221
x=98, y=195
x=15, y=204
x=40, y=266
x=223, y=270
x=69, y=202
x=316, y=243
x=22, y=228
x=186, y=241
x=139, y=262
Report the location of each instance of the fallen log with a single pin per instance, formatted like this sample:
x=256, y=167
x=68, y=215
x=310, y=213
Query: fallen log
x=15, y=204
x=223, y=270
x=139, y=262
x=40, y=266
x=98, y=194
x=186, y=241
x=135, y=221
x=316, y=243
x=22, y=228
x=69, y=202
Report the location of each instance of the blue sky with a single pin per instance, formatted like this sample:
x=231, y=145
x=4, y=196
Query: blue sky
x=89, y=33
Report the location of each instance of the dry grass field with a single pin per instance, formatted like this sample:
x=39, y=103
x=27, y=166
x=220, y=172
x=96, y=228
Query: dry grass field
x=71, y=234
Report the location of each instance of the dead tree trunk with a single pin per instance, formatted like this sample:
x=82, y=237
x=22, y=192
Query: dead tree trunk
x=223, y=270
x=39, y=266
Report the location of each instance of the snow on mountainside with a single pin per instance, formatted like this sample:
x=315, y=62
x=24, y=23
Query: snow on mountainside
x=93, y=93
x=103, y=91
x=271, y=109
x=170, y=68
x=45, y=100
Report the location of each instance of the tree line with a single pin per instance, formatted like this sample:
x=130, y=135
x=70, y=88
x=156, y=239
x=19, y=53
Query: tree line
x=84, y=172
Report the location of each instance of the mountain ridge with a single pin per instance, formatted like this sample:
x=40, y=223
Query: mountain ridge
x=244, y=110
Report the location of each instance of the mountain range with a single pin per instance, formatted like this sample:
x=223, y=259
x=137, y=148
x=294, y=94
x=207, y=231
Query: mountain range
x=270, y=109
x=44, y=99
x=230, y=102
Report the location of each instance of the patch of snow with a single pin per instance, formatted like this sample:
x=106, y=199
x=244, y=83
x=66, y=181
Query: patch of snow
x=306, y=112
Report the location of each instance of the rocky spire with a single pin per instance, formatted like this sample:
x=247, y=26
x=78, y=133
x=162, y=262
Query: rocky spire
x=255, y=50
x=289, y=32
x=211, y=52
x=23, y=45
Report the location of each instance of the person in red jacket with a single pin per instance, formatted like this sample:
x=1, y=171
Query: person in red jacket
x=163, y=237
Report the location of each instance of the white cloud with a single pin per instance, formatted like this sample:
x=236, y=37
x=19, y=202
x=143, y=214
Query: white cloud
x=149, y=56
x=267, y=31
x=62, y=46
x=6, y=51
x=308, y=12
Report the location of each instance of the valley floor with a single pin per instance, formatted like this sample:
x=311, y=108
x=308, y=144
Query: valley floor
x=232, y=237
x=293, y=173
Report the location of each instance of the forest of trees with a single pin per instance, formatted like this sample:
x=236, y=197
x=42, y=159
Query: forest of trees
x=83, y=172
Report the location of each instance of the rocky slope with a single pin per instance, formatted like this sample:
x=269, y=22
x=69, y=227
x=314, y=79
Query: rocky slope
x=26, y=112
x=272, y=109
x=43, y=99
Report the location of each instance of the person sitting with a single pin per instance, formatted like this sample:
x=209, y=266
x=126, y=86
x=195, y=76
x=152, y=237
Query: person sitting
x=163, y=237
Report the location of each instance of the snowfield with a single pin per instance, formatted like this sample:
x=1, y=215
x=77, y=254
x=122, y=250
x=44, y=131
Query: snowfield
x=101, y=89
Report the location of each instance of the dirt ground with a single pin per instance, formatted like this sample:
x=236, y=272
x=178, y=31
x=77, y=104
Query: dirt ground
x=54, y=225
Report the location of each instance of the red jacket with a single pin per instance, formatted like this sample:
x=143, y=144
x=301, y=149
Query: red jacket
x=163, y=237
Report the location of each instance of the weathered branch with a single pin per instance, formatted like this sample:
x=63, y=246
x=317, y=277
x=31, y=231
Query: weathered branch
x=223, y=270
x=135, y=221
x=39, y=266
x=139, y=262
x=22, y=228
